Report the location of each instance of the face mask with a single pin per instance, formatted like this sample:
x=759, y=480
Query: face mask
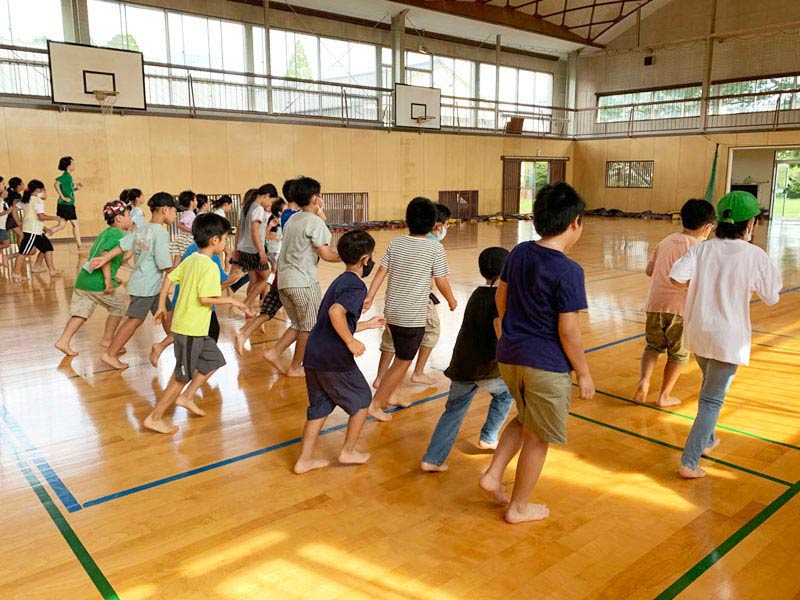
x=438, y=235
x=39, y=195
x=367, y=268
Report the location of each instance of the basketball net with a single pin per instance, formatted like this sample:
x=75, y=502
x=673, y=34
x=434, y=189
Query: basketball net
x=106, y=99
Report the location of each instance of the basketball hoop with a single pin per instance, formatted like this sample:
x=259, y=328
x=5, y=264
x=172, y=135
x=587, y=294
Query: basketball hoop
x=106, y=99
x=422, y=120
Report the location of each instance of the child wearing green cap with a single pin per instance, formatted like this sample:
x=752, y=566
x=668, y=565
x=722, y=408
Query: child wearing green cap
x=721, y=276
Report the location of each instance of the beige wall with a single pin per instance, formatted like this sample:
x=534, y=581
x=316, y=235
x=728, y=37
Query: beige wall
x=757, y=166
x=226, y=156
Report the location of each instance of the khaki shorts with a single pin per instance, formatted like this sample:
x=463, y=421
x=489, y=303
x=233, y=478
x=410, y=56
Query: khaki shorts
x=664, y=333
x=543, y=399
x=429, y=340
x=302, y=306
x=84, y=302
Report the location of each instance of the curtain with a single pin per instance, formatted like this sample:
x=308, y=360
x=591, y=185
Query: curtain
x=511, y=177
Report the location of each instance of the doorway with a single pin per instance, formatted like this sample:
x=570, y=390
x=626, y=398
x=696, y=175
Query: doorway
x=534, y=175
x=523, y=177
x=786, y=187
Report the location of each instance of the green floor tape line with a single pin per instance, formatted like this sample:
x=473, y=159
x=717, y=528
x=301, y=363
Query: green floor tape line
x=729, y=544
x=78, y=549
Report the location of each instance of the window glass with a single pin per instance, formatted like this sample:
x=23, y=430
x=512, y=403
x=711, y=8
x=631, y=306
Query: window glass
x=508, y=84
x=259, y=51
x=526, y=84
x=30, y=22
x=294, y=55
x=146, y=31
x=347, y=62
x=105, y=24
x=487, y=82
x=386, y=68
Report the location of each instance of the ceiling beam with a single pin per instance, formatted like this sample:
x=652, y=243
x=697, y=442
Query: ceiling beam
x=499, y=15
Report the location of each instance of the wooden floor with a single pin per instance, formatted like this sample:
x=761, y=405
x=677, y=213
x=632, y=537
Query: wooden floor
x=94, y=507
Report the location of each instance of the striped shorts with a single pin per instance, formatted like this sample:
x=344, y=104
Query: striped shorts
x=302, y=306
x=34, y=241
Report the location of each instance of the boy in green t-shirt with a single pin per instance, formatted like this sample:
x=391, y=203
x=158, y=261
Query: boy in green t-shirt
x=95, y=288
x=197, y=356
x=66, y=187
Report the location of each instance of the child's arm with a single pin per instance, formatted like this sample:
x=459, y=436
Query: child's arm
x=107, y=279
x=256, y=235
x=44, y=217
x=447, y=291
x=338, y=317
x=162, y=300
x=99, y=261
x=569, y=332
x=373, y=323
x=500, y=301
x=376, y=284
x=328, y=255
x=650, y=266
x=184, y=228
x=57, y=185
x=223, y=300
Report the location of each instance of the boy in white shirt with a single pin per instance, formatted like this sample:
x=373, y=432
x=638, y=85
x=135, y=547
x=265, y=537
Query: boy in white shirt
x=721, y=275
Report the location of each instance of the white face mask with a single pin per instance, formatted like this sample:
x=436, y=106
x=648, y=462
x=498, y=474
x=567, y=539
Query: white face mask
x=40, y=195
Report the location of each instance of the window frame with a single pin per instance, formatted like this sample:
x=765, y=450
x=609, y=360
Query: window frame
x=629, y=179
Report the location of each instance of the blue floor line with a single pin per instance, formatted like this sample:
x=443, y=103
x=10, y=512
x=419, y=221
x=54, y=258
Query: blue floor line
x=622, y=341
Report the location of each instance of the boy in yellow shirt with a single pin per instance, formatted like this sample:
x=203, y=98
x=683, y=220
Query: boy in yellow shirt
x=197, y=356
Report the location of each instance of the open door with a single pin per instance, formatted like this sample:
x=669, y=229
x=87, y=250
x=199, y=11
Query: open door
x=523, y=177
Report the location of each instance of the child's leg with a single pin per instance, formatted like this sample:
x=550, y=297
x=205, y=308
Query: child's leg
x=186, y=397
x=418, y=376
x=677, y=356
x=647, y=365
x=390, y=382
x=249, y=328
x=159, y=347
x=444, y=436
x=296, y=366
x=507, y=448
x=38, y=264
x=257, y=284
x=59, y=226
x=349, y=455
x=273, y=355
x=717, y=379
x=112, y=323
x=306, y=462
x=20, y=262
x=155, y=420
x=124, y=333
x=498, y=412
x=72, y=326
x=529, y=467
x=429, y=340
x=76, y=233
x=383, y=366
x=672, y=370
x=48, y=259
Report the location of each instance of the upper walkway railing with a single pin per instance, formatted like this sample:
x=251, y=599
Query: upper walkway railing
x=25, y=75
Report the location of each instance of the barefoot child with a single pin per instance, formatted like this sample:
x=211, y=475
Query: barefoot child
x=538, y=299
x=66, y=187
x=187, y=203
x=33, y=229
x=722, y=275
x=410, y=262
x=474, y=367
x=197, y=356
x=134, y=197
x=664, y=306
x=99, y=287
x=332, y=376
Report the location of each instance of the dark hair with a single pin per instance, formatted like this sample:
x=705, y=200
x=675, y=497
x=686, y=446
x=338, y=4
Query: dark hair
x=732, y=231
x=420, y=216
x=442, y=213
x=33, y=185
x=14, y=182
x=123, y=195
x=158, y=200
x=249, y=198
x=64, y=162
x=353, y=245
x=202, y=200
x=491, y=261
x=286, y=189
x=223, y=200
x=132, y=195
x=303, y=189
x=555, y=207
x=277, y=205
x=268, y=190
x=185, y=198
x=2, y=179
x=697, y=213
x=206, y=226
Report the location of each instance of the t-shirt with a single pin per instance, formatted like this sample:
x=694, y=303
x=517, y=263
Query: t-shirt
x=107, y=240
x=298, y=260
x=30, y=216
x=325, y=350
x=67, y=185
x=412, y=262
x=288, y=212
x=199, y=277
x=3, y=207
x=137, y=216
x=223, y=276
x=246, y=243
x=274, y=246
x=187, y=219
x=542, y=284
x=475, y=353
x=663, y=296
x=150, y=245
x=220, y=212
x=722, y=276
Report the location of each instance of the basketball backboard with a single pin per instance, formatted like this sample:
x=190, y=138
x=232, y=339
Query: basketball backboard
x=418, y=107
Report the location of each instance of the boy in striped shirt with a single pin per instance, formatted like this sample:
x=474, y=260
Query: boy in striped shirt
x=410, y=262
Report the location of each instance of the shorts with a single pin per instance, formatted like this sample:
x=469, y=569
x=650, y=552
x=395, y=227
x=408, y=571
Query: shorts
x=213, y=327
x=302, y=306
x=11, y=222
x=3, y=235
x=406, y=341
x=34, y=241
x=180, y=244
x=664, y=333
x=141, y=305
x=429, y=340
x=543, y=399
x=66, y=212
x=271, y=303
x=251, y=262
x=84, y=302
x=195, y=354
x=329, y=389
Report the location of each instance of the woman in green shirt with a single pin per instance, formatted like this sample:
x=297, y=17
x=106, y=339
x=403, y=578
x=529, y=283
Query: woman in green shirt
x=66, y=188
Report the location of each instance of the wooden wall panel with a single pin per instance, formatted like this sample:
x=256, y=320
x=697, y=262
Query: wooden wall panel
x=245, y=157
x=338, y=162
x=208, y=144
x=32, y=138
x=434, y=162
x=278, y=154
x=365, y=164
x=492, y=167
x=455, y=164
x=309, y=156
x=665, y=175
x=412, y=163
x=389, y=165
x=129, y=164
x=474, y=162
x=5, y=159
x=170, y=154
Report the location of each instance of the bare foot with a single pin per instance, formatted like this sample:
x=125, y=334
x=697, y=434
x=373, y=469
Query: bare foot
x=65, y=348
x=155, y=353
x=159, y=426
x=688, y=473
x=376, y=412
x=640, y=395
x=298, y=372
x=432, y=468
x=377, y=383
x=422, y=379
x=494, y=488
x=274, y=359
x=668, y=401
x=393, y=401
x=56, y=273
x=304, y=466
x=238, y=343
x=353, y=458
x=529, y=512
x=712, y=447
x=487, y=445
x=189, y=405
x=263, y=328
x=36, y=269
x=113, y=362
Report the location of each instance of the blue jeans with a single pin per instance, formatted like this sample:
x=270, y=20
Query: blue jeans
x=717, y=379
x=458, y=401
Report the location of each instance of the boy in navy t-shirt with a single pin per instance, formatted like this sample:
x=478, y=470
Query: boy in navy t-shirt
x=332, y=376
x=538, y=299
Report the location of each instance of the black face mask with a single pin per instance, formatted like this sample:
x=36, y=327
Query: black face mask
x=367, y=268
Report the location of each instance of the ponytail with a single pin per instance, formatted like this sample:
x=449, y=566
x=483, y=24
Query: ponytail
x=249, y=198
x=33, y=186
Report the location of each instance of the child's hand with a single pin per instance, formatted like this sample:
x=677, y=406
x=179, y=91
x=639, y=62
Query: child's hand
x=452, y=304
x=376, y=323
x=78, y=186
x=234, y=277
x=47, y=231
x=160, y=314
x=262, y=256
x=367, y=305
x=109, y=289
x=97, y=263
x=243, y=307
x=586, y=386
x=356, y=347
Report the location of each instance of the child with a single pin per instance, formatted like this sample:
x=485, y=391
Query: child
x=33, y=229
x=274, y=233
x=306, y=239
x=410, y=261
x=432, y=327
x=5, y=209
x=203, y=205
x=251, y=254
x=291, y=205
x=664, y=306
x=197, y=356
x=187, y=202
x=99, y=287
x=150, y=246
x=332, y=377
x=134, y=198
x=223, y=205
x=14, y=196
x=538, y=299
x=722, y=275
x=473, y=367
x=66, y=187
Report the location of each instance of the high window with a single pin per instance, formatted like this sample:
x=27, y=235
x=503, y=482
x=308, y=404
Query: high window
x=30, y=23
